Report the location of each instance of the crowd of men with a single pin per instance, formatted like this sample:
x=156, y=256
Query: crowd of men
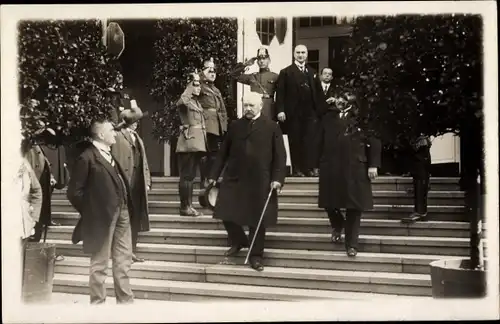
x=109, y=179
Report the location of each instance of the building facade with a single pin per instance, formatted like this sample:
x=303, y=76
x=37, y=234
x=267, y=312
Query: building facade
x=325, y=37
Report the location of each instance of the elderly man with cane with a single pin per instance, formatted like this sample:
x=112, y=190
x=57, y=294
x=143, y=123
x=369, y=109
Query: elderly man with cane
x=254, y=157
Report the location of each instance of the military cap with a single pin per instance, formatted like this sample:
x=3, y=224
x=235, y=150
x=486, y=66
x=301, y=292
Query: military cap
x=208, y=197
x=262, y=52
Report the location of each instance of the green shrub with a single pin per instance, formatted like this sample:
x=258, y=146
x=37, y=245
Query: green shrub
x=181, y=46
x=416, y=74
x=64, y=74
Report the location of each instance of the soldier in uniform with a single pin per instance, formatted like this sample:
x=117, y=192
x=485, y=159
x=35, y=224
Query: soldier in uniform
x=262, y=82
x=215, y=114
x=420, y=164
x=192, y=143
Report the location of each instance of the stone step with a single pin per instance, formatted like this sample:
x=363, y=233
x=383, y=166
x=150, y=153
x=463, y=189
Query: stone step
x=301, y=225
x=435, y=213
x=203, y=291
x=281, y=277
x=435, y=198
x=299, y=241
x=381, y=183
x=328, y=260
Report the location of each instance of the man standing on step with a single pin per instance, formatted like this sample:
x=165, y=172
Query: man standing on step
x=349, y=161
x=215, y=114
x=191, y=144
x=42, y=168
x=99, y=191
x=255, y=159
x=420, y=164
x=130, y=153
x=262, y=82
x=296, y=105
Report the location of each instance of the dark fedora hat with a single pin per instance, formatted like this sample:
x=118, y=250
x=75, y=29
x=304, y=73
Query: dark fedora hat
x=208, y=197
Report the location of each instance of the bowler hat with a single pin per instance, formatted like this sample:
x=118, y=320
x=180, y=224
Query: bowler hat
x=130, y=116
x=208, y=197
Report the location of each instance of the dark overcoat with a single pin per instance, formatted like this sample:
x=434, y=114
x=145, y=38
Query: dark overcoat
x=123, y=152
x=345, y=159
x=93, y=190
x=254, y=155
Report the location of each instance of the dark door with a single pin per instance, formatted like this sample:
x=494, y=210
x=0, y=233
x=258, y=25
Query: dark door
x=137, y=65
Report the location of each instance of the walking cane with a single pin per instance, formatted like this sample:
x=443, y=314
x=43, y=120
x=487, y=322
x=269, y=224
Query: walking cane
x=258, y=225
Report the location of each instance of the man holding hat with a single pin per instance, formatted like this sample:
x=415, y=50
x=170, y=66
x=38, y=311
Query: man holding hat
x=191, y=144
x=130, y=152
x=262, y=82
x=215, y=115
x=254, y=156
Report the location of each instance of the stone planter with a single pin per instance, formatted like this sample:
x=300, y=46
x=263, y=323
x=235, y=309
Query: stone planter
x=453, y=278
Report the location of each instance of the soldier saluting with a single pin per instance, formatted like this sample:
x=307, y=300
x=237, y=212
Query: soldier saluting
x=262, y=82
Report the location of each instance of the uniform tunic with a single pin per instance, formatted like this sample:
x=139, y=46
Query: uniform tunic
x=263, y=82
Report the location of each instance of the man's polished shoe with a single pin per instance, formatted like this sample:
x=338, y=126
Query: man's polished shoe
x=336, y=236
x=414, y=217
x=52, y=223
x=352, y=252
x=234, y=250
x=298, y=174
x=256, y=264
x=137, y=259
x=314, y=173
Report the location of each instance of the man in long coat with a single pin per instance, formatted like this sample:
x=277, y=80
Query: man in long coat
x=348, y=163
x=263, y=82
x=255, y=158
x=130, y=153
x=215, y=113
x=296, y=106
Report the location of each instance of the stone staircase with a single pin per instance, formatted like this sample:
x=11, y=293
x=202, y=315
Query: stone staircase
x=183, y=252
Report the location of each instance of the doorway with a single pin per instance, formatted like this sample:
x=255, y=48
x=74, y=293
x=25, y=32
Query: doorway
x=137, y=62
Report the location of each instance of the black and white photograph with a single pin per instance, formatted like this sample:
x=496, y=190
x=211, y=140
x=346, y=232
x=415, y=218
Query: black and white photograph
x=202, y=161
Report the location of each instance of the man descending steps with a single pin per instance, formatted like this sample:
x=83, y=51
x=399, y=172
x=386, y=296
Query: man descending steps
x=256, y=163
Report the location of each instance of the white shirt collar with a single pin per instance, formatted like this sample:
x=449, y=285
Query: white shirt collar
x=101, y=146
x=325, y=84
x=300, y=65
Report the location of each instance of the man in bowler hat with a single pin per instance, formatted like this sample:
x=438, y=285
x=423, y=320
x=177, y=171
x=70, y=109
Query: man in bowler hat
x=254, y=155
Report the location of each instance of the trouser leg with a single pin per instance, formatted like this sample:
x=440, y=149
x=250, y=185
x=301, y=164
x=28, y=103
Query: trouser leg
x=121, y=251
x=236, y=234
x=352, y=226
x=258, y=247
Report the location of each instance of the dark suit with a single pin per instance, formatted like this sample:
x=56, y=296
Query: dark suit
x=296, y=96
x=100, y=193
x=255, y=156
x=343, y=181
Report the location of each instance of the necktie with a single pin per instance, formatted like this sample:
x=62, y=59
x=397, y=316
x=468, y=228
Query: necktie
x=132, y=135
x=325, y=89
x=109, y=157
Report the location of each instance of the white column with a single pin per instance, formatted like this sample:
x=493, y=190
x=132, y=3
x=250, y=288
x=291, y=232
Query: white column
x=104, y=25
